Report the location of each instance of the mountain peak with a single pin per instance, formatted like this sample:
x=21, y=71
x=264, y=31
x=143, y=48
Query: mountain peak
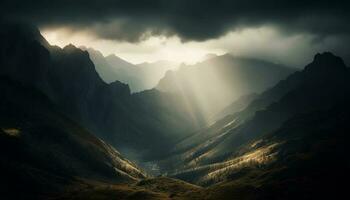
x=73, y=50
x=16, y=30
x=70, y=46
x=120, y=89
x=326, y=62
x=327, y=56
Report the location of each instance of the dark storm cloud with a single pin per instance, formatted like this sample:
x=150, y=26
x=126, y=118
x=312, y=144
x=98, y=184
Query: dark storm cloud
x=133, y=20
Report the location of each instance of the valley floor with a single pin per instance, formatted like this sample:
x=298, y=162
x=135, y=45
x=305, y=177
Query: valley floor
x=160, y=188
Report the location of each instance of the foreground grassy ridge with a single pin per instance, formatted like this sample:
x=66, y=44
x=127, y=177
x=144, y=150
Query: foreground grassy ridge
x=156, y=188
x=161, y=188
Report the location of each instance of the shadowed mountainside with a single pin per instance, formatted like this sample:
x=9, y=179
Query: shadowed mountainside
x=291, y=136
x=42, y=151
x=132, y=123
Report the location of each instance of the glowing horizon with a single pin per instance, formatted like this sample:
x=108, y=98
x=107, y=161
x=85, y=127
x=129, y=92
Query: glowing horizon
x=151, y=50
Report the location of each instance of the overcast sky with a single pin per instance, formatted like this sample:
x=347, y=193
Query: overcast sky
x=283, y=31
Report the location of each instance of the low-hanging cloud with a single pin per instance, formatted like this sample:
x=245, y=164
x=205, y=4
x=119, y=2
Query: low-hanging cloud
x=195, y=20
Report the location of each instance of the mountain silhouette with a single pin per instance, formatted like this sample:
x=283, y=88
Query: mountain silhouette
x=139, y=77
x=216, y=82
x=130, y=122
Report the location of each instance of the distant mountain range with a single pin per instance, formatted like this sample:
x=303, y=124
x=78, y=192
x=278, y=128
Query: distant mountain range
x=139, y=77
x=216, y=82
